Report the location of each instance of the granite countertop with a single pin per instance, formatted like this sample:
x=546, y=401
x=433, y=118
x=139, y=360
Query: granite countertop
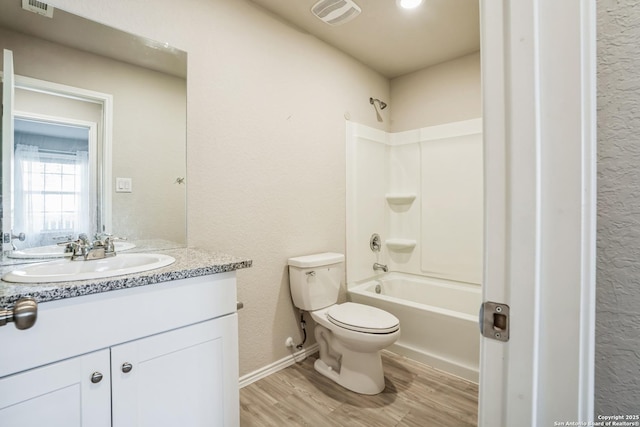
x=189, y=263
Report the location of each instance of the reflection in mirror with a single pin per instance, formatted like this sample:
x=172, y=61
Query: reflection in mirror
x=96, y=138
x=52, y=194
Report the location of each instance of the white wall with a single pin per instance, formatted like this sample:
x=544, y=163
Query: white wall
x=266, y=150
x=443, y=93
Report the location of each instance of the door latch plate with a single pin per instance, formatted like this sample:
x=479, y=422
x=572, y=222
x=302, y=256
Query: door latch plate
x=494, y=320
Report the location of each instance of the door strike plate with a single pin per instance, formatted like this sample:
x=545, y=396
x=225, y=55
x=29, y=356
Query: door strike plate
x=494, y=321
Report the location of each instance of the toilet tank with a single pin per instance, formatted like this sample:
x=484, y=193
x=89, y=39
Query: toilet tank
x=315, y=280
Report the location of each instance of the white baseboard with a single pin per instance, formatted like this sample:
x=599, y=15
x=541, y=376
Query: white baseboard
x=276, y=366
x=468, y=373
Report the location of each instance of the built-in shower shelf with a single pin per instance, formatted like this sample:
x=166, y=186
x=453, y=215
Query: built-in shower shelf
x=400, y=198
x=400, y=244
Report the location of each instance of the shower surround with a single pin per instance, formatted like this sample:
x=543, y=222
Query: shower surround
x=422, y=192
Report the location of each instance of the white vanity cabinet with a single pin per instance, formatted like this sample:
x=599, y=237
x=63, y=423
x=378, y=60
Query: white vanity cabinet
x=177, y=378
x=167, y=355
x=59, y=394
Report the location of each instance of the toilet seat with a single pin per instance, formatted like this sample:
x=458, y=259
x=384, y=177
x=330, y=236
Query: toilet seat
x=363, y=318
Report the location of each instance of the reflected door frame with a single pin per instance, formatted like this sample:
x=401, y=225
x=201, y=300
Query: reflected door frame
x=8, y=94
x=104, y=172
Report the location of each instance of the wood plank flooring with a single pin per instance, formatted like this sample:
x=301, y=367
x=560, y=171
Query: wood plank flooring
x=415, y=395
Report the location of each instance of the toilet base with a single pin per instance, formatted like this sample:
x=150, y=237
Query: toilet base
x=359, y=372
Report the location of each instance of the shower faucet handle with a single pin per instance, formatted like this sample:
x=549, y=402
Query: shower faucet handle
x=374, y=242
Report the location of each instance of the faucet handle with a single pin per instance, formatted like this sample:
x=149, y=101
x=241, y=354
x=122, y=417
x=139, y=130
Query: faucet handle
x=77, y=248
x=19, y=236
x=84, y=239
x=109, y=243
x=10, y=237
x=67, y=243
x=102, y=235
x=68, y=239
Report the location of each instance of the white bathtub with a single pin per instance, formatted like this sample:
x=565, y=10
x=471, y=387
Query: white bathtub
x=438, y=319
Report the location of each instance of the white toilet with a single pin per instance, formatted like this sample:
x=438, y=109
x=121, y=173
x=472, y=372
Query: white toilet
x=350, y=335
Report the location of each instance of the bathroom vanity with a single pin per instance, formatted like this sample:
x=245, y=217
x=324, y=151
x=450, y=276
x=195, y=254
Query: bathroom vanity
x=149, y=349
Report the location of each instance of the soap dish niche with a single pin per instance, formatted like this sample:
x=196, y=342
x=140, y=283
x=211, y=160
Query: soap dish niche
x=400, y=198
x=400, y=244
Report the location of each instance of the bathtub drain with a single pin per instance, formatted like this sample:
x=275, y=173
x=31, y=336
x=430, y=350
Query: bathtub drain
x=378, y=289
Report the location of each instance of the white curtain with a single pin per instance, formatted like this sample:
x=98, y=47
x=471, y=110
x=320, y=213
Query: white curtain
x=27, y=194
x=83, y=215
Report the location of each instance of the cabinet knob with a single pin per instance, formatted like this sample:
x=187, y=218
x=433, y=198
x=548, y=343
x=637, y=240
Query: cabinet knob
x=127, y=367
x=96, y=377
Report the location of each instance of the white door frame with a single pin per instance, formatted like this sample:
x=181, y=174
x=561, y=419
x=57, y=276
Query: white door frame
x=8, y=95
x=105, y=100
x=538, y=68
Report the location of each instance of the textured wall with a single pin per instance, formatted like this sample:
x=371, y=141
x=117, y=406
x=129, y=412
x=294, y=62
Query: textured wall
x=617, y=366
x=265, y=144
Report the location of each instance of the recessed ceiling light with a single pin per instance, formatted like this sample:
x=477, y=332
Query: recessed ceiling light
x=409, y=4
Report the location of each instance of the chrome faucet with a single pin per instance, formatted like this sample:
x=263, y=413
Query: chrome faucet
x=12, y=237
x=83, y=249
x=377, y=266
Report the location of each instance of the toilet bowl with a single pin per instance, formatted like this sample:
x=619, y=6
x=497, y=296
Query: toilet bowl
x=350, y=352
x=350, y=335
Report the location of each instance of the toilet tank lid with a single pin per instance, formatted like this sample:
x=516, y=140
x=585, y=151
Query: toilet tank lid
x=316, y=260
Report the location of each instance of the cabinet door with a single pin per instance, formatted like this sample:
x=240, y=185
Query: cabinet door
x=184, y=377
x=60, y=394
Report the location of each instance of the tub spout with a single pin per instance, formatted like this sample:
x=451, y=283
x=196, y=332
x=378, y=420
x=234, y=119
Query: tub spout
x=377, y=266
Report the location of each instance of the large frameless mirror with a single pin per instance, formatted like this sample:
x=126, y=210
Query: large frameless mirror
x=93, y=134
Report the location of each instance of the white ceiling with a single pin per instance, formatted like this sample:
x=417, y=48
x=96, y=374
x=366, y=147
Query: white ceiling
x=391, y=40
x=384, y=37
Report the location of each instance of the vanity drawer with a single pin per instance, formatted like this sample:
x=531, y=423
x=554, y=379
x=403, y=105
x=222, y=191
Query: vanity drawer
x=74, y=326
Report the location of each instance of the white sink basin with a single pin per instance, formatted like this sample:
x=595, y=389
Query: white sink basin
x=65, y=270
x=55, y=251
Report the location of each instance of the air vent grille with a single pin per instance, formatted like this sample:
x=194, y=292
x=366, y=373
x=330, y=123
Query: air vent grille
x=335, y=12
x=38, y=7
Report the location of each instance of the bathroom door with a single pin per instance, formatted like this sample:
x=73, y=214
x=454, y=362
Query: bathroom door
x=538, y=72
x=8, y=92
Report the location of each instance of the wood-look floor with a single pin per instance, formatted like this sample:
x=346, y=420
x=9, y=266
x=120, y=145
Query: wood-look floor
x=415, y=395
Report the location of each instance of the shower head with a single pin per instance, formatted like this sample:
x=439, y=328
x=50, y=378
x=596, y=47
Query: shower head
x=382, y=104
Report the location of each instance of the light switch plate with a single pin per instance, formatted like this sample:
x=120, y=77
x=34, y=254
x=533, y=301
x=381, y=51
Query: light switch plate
x=123, y=185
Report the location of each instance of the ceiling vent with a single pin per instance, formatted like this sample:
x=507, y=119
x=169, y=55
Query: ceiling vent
x=38, y=7
x=335, y=12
